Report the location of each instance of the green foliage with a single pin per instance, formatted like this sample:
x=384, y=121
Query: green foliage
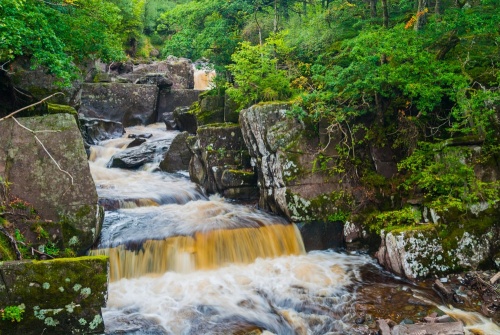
x=257, y=73
x=445, y=175
x=59, y=34
x=339, y=216
x=13, y=313
x=203, y=28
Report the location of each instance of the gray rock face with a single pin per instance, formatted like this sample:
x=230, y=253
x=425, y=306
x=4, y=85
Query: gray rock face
x=134, y=157
x=41, y=84
x=129, y=104
x=178, y=70
x=284, y=155
x=220, y=162
x=68, y=199
x=178, y=155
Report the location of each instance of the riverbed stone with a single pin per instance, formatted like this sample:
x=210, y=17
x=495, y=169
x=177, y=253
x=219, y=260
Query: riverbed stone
x=178, y=154
x=58, y=186
x=135, y=157
x=97, y=130
x=61, y=296
x=169, y=100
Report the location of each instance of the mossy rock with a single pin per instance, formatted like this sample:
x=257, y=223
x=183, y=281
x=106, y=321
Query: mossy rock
x=62, y=296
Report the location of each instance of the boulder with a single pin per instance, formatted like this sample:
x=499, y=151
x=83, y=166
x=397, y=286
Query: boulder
x=220, y=162
x=61, y=296
x=132, y=158
x=320, y=235
x=97, y=130
x=178, y=154
x=178, y=70
x=168, y=101
x=211, y=110
x=157, y=79
x=185, y=120
x=181, y=71
x=129, y=104
x=59, y=186
x=423, y=251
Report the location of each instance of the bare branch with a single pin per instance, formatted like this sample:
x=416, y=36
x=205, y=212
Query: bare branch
x=3, y=69
x=32, y=105
x=12, y=242
x=45, y=149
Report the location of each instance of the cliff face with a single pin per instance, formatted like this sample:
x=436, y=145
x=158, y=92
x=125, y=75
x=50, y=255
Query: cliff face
x=298, y=178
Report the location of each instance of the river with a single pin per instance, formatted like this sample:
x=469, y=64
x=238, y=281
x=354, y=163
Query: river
x=185, y=263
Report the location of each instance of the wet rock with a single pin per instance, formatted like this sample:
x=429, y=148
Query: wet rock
x=132, y=158
x=136, y=142
x=321, y=235
x=61, y=296
x=96, y=130
x=221, y=163
x=384, y=327
x=443, y=290
x=178, y=155
x=144, y=136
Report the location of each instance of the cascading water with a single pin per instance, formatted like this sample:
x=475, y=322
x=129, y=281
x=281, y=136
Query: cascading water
x=182, y=263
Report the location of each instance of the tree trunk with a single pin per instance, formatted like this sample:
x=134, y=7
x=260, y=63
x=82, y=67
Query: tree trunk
x=385, y=13
x=275, y=23
x=421, y=15
x=373, y=9
x=437, y=8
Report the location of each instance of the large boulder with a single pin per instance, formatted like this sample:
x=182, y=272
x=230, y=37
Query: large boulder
x=61, y=296
x=185, y=120
x=178, y=154
x=129, y=104
x=53, y=178
x=179, y=71
x=97, y=130
x=221, y=163
x=169, y=100
x=419, y=253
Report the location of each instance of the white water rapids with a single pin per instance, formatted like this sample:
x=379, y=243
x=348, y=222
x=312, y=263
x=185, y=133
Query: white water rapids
x=290, y=292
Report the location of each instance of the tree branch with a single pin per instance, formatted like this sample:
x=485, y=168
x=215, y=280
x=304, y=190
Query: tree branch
x=12, y=242
x=32, y=105
x=45, y=149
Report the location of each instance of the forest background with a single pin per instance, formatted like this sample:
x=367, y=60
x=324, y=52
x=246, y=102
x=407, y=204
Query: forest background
x=419, y=76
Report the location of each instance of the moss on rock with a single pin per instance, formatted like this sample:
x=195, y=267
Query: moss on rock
x=57, y=294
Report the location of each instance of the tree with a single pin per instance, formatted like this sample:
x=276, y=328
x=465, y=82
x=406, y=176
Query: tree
x=60, y=34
